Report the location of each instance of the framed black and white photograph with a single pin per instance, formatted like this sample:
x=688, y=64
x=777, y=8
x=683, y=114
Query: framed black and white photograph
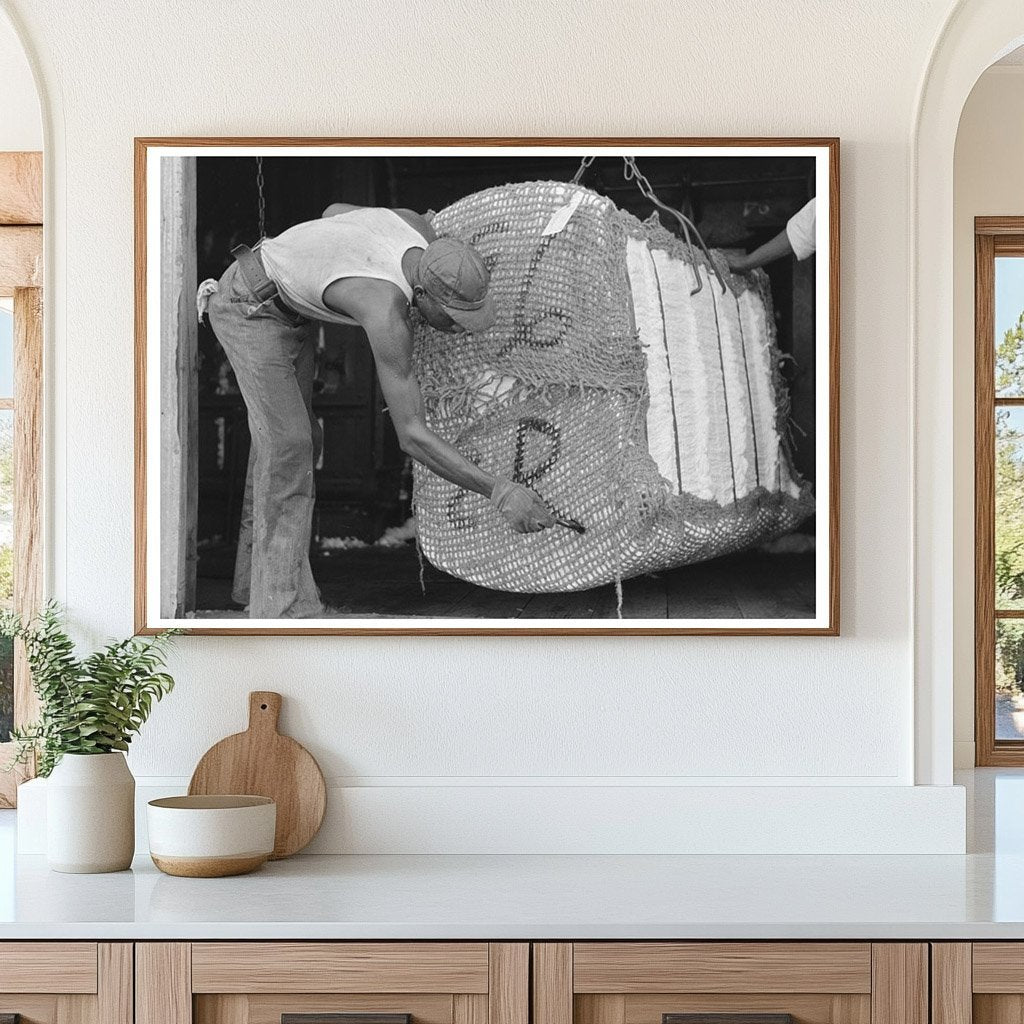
x=487, y=386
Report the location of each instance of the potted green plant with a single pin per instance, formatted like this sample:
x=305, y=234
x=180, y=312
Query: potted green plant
x=90, y=708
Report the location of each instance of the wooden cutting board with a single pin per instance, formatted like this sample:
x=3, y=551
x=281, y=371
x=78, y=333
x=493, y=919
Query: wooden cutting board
x=262, y=762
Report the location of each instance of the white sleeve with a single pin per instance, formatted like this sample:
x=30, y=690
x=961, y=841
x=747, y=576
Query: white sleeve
x=800, y=229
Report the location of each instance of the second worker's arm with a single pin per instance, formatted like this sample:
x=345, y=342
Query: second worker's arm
x=774, y=249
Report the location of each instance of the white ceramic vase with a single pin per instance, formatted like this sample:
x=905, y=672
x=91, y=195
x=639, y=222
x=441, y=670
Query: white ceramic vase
x=90, y=814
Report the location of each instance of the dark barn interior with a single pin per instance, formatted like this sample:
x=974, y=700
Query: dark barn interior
x=363, y=482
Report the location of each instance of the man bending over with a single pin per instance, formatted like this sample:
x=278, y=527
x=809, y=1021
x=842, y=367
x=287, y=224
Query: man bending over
x=366, y=266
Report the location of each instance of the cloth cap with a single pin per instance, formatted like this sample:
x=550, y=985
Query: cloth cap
x=453, y=274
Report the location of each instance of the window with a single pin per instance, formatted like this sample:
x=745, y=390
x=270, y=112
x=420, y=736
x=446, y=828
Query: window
x=21, y=364
x=20, y=500
x=999, y=490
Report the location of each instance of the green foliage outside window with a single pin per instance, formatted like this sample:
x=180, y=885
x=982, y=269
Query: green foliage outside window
x=6, y=688
x=1009, y=510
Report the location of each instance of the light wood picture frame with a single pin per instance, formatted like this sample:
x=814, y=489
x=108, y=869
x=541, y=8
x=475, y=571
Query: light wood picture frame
x=197, y=198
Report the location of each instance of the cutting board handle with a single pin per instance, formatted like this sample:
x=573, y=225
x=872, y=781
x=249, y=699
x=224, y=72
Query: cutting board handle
x=264, y=710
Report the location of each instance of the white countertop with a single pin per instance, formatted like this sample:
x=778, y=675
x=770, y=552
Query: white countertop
x=980, y=895
x=495, y=897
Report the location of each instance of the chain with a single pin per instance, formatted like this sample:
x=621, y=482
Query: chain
x=262, y=199
x=581, y=170
x=633, y=173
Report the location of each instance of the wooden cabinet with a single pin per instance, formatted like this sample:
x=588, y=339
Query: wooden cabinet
x=264, y=982
x=752, y=982
x=66, y=982
x=512, y=983
x=978, y=983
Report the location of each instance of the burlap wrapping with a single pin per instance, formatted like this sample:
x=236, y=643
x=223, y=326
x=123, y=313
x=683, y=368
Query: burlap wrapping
x=556, y=395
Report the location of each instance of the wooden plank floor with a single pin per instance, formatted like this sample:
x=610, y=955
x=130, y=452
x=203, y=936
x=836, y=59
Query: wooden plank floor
x=369, y=582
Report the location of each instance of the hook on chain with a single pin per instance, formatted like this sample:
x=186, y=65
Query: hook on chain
x=633, y=173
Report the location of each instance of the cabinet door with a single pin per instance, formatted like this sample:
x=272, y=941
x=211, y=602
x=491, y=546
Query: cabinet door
x=981, y=982
x=730, y=983
x=332, y=983
x=65, y=983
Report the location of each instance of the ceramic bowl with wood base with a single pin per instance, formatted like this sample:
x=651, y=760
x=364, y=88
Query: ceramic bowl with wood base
x=211, y=836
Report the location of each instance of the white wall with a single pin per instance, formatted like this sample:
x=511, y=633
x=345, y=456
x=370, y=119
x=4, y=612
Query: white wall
x=440, y=712
x=21, y=127
x=988, y=180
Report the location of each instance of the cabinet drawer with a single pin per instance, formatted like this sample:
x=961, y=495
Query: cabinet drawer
x=332, y=983
x=340, y=967
x=634, y=967
x=66, y=982
x=980, y=982
x=998, y=967
x=730, y=983
x=65, y=967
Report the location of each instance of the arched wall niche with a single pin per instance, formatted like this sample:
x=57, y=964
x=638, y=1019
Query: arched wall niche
x=21, y=122
x=974, y=36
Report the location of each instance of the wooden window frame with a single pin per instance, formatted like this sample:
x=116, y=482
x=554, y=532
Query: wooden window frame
x=993, y=237
x=21, y=278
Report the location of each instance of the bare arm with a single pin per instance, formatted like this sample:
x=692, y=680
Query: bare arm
x=391, y=342
x=772, y=250
x=384, y=317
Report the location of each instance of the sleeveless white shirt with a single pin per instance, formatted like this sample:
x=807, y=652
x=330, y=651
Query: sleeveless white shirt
x=366, y=242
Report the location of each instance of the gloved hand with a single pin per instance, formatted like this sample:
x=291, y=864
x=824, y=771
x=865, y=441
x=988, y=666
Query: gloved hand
x=731, y=268
x=735, y=260
x=522, y=508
